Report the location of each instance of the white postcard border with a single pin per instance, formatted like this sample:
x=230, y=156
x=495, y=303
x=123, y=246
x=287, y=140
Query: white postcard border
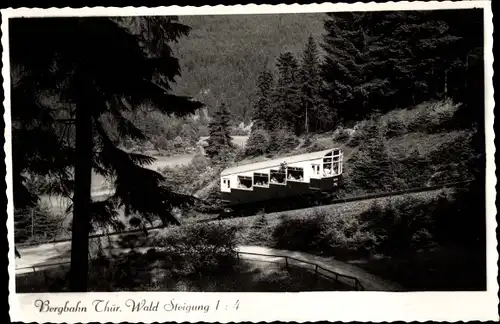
x=299, y=307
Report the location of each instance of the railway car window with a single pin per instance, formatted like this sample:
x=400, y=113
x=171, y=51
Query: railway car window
x=295, y=174
x=244, y=182
x=327, y=169
x=261, y=179
x=315, y=168
x=278, y=177
x=336, y=168
x=332, y=165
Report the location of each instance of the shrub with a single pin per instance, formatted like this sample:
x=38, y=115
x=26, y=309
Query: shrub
x=260, y=221
x=400, y=226
x=260, y=232
x=258, y=143
x=345, y=238
x=307, y=141
x=282, y=141
x=341, y=135
x=366, y=130
x=301, y=234
x=433, y=116
x=395, y=126
x=371, y=166
x=202, y=248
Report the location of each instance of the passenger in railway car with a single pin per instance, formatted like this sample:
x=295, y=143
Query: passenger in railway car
x=327, y=171
x=242, y=185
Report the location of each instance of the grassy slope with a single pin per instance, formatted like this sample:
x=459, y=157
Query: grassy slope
x=345, y=210
x=223, y=55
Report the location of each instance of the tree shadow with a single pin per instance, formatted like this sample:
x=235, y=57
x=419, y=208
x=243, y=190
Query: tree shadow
x=155, y=270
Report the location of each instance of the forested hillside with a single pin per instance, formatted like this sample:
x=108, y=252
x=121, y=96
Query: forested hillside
x=223, y=55
x=314, y=72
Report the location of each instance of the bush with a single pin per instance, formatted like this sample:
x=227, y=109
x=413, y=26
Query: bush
x=300, y=234
x=258, y=143
x=341, y=135
x=282, y=141
x=401, y=226
x=345, y=238
x=192, y=177
x=395, y=127
x=260, y=233
x=366, y=130
x=371, y=166
x=203, y=248
x=433, y=116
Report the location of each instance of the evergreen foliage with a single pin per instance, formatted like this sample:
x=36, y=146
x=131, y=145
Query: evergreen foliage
x=219, y=140
x=282, y=141
x=262, y=115
x=316, y=116
x=287, y=112
x=86, y=68
x=258, y=143
x=387, y=60
x=36, y=224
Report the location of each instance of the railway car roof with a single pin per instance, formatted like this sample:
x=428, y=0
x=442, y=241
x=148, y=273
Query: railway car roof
x=276, y=162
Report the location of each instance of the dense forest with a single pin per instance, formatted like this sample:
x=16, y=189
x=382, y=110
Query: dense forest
x=374, y=62
x=314, y=72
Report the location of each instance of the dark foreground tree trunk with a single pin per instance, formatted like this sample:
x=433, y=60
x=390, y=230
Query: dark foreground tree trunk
x=82, y=200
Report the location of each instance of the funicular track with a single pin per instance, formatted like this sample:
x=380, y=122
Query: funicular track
x=321, y=199
x=276, y=205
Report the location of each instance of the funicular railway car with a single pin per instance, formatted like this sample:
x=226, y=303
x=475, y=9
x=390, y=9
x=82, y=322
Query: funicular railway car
x=280, y=184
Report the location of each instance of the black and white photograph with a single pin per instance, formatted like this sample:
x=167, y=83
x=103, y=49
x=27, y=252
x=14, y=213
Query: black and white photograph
x=282, y=152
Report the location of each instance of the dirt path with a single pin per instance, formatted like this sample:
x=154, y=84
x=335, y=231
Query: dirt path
x=52, y=253
x=369, y=281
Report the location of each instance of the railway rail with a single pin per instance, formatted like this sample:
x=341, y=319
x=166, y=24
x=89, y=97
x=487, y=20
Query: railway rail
x=323, y=203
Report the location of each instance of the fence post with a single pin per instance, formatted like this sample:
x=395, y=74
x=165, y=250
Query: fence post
x=286, y=262
x=316, y=271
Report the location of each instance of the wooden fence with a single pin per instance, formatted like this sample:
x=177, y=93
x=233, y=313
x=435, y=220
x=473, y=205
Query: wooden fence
x=316, y=268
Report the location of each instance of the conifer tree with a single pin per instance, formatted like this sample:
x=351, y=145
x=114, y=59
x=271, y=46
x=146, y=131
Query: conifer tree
x=341, y=70
x=386, y=60
x=310, y=86
x=287, y=112
x=263, y=108
x=84, y=69
x=258, y=143
x=219, y=140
